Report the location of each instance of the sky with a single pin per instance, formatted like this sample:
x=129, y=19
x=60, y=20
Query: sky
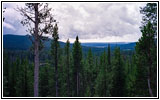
x=92, y=21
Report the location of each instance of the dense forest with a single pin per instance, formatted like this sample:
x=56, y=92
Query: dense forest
x=69, y=72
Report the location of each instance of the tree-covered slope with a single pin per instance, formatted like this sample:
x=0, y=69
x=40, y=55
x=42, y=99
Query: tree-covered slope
x=19, y=42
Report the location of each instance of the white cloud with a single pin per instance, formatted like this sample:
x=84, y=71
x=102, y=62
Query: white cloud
x=9, y=26
x=98, y=21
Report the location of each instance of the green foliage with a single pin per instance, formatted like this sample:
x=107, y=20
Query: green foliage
x=103, y=83
x=44, y=81
x=6, y=72
x=118, y=76
x=97, y=77
x=55, y=54
x=130, y=77
x=77, y=57
x=149, y=15
x=67, y=68
x=54, y=43
x=18, y=77
x=145, y=59
x=89, y=74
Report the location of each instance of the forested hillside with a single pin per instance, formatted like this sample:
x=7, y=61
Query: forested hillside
x=35, y=66
x=21, y=42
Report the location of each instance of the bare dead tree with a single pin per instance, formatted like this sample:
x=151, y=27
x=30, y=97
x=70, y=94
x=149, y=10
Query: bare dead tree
x=39, y=21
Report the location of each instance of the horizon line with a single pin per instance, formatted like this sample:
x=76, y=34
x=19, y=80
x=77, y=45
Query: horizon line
x=80, y=41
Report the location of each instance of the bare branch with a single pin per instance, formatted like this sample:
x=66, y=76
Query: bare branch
x=22, y=11
x=28, y=12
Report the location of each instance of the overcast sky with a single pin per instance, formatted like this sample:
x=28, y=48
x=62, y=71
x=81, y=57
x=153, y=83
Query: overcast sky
x=92, y=22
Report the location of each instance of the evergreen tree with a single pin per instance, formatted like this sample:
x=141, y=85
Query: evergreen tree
x=118, y=75
x=13, y=78
x=72, y=72
x=67, y=52
x=62, y=77
x=77, y=57
x=6, y=72
x=89, y=71
x=102, y=78
x=30, y=80
x=26, y=64
x=146, y=61
x=51, y=81
x=130, y=74
x=109, y=73
x=54, y=50
x=22, y=85
x=44, y=81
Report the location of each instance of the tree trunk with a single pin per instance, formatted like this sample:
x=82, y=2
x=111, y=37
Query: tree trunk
x=36, y=69
x=149, y=86
x=36, y=53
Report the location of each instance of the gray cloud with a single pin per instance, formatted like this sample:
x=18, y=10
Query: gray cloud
x=91, y=21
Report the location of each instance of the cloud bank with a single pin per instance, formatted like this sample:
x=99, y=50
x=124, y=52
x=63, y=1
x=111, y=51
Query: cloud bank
x=92, y=22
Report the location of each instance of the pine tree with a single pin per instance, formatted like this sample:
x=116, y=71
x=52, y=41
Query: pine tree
x=89, y=74
x=44, y=81
x=77, y=57
x=109, y=73
x=22, y=85
x=14, y=79
x=146, y=52
x=67, y=52
x=38, y=15
x=130, y=77
x=102, y=78
x=72, y=72
x=6, y=72
x=54, y=50
x=62, y=80
x=118, y=75
x=145, y=57
x=51, y=81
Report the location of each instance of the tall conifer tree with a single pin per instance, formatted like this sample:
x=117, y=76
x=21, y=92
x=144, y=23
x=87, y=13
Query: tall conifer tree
x=77, y=57
x=67, y=52
x=118, y=75
x=54, y=50
x=146, y=56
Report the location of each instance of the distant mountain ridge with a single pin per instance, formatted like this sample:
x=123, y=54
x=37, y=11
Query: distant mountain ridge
x=112, y=44
x=18, y=42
